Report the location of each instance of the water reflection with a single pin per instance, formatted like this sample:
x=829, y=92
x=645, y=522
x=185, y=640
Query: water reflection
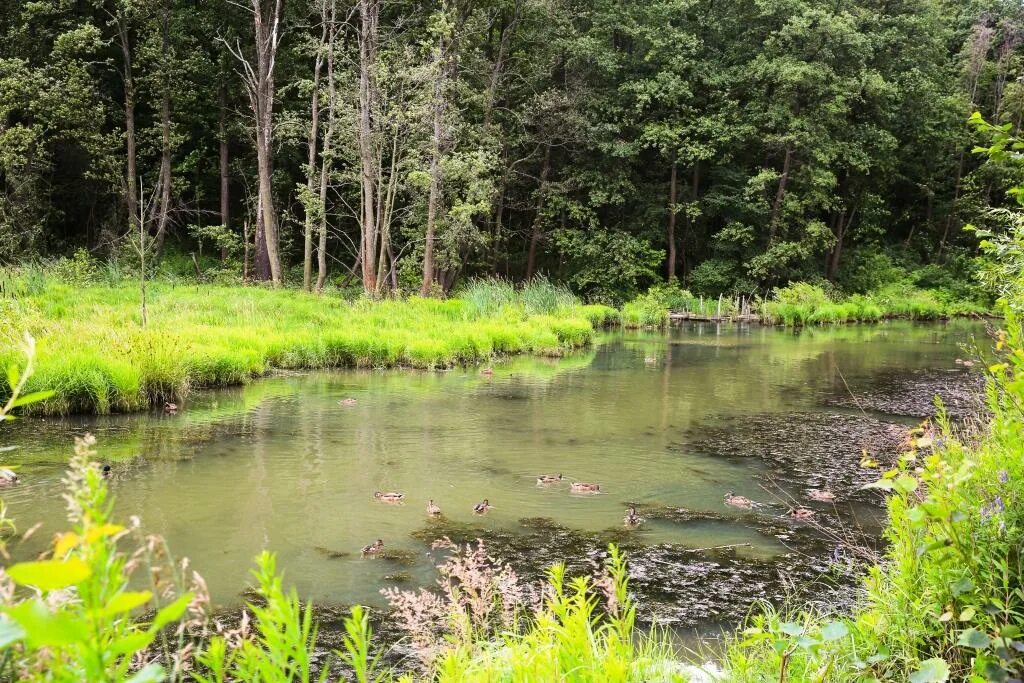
x=279, y=464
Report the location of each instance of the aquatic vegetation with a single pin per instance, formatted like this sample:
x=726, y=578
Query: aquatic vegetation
x=96, y=357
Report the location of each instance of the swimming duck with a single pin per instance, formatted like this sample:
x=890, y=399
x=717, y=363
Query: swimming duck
x=374, y=548
x=650, y=360
x=583, y=487
x=631, y=518
x=389, y=497
x=170, y=408
x=8, y=477
x=549, y=478
x=482, y=508
x=738, y=501
x=487, y=372
x=821, y=495
x=347, y=402
x=801, y=513
x=433, y=508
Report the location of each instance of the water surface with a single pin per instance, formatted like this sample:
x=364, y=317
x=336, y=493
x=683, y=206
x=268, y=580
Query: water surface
x=670, y=421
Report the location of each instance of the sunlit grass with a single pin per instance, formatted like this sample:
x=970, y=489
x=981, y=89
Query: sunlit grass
x=97, y=357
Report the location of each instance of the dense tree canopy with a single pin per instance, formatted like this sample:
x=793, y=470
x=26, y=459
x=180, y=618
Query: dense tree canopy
x=732, y=144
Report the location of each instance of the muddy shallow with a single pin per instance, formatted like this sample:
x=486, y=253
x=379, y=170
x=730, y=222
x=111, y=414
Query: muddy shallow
x=763, y=412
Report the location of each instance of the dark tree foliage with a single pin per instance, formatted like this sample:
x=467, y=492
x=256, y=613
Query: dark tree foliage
x=730, y=144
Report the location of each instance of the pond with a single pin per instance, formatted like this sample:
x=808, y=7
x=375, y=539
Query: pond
x=668, y=421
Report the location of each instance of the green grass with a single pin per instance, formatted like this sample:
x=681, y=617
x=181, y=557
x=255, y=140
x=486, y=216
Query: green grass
x=97, y=357
x=803, y=304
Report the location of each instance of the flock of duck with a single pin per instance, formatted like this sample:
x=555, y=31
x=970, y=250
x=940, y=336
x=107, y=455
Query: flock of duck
x=631, y=519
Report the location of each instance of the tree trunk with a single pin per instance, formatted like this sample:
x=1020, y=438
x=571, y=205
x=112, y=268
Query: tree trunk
x=535, y=233
x=165, y=134
x=259, y=82
x=325, y=156
x=311, y=168
x=131, y=170
x=671, y=236
x=261, y=265
x=225, y=177
x=780, y=195
x=369, y=11
x=432, y=204
x=437, y=143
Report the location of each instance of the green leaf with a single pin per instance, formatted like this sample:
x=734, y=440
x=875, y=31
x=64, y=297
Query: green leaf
x=791, y=629
x=48, y=575
x=125, y=602
x=43, y=628
x=906, y=484
x=1009, y=631
x=961, y=586
x=131, y=643
x=933, y=670
x=967, y=613
x=834, y=631
x=151, y=673
x=882, y=484
x=974, y=638
x=13, y=376
x=34, y=397
x=171, y=612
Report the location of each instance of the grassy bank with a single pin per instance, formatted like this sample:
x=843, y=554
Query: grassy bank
x=95, y=354
x=802, y=304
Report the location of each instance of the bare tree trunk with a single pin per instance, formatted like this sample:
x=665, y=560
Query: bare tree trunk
x=311, y=168
x=164, y=211
x=225, y=177
x=261, y=264
x=369, y=11
x=326, y=159
x=259, y=82
x=131, y=170
x=671, y=236
x=535, y=233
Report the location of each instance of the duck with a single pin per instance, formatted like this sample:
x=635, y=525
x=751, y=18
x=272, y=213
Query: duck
x=487, y=372
x=650, y=360
x=374, y=548
x=549, y=478
x=433, y=509
x=170, y=408
x=584, y=487
x=631, y=518
x=482, y=507
x=347, y=402
x=8, y=477
x=821, y=495
x=106, y=471
x=801, y=513
x=738, y=501
x=389, y=496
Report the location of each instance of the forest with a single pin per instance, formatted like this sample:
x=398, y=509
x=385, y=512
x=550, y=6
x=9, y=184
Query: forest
x=727, y=145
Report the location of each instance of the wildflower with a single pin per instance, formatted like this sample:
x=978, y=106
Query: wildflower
x=1004, y=476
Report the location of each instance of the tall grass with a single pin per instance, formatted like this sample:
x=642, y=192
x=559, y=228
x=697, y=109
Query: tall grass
x=804, y=304
x=96, y=357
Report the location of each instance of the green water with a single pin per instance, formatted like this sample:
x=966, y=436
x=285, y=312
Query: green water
x=281, y=465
